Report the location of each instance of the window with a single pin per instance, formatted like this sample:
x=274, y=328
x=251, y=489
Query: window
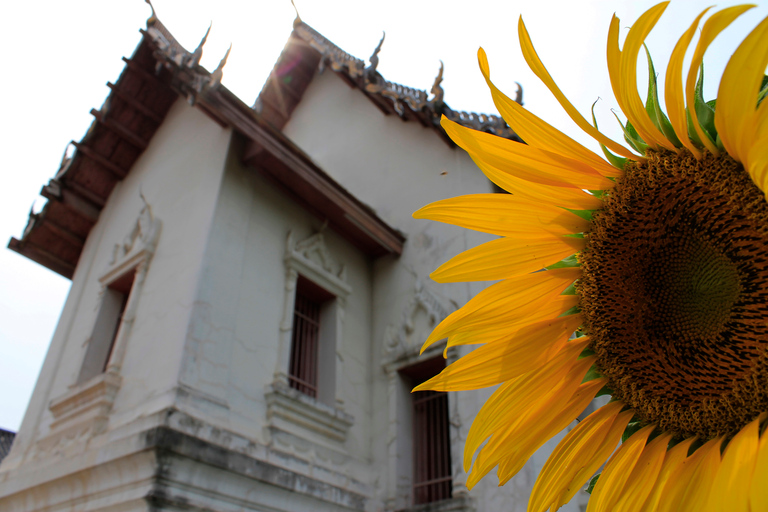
x=108, y=321
x=432, y=479
x=312, y=342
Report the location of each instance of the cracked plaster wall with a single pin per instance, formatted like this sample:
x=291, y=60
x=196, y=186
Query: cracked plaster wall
x=179, y=174
x=396, y=168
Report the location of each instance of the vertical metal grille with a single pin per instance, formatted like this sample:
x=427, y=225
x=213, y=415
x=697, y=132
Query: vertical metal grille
x=431, y=448
x=306, y=329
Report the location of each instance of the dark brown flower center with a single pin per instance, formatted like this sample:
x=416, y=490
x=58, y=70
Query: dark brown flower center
x=675, y=293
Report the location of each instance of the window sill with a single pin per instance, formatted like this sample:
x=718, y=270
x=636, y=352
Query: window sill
x=86, y=402
x=294, y=407
x=457, y=504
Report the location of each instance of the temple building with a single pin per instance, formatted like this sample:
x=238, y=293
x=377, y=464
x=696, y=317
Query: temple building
x=249, y=297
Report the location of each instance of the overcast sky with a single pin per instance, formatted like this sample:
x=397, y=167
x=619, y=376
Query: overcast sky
x=58, y=55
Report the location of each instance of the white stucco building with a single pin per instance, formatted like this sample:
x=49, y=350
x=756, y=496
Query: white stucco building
x=249, y=296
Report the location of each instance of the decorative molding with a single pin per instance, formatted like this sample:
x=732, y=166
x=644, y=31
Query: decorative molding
x=313, y=253
x=397, y=338
x=139, y=244
x=311, y=259
x=85, y=403
x=134, y=253
x=296, y=408
x=79, y=414
x=83, y=411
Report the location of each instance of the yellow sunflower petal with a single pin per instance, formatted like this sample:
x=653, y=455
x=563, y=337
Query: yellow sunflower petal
x=630, y=101
x=503, y=215
x=537, y=132
x=758, y=494
x=734, y=478
x=510, y=402
x=578, y=456
x=534, y=426
x=504, y=298
x=614, y=478
x=506, y=257
x=689, y=489
x=712, y=27
x=737, y=96
x=645, y=473
x=574, y=198
x=532, y=58
x=758, y=158
x=527, y=162
x=672, y=462
x=502, y=360
x=673, y=87
x=503, y=327
x=547, y=425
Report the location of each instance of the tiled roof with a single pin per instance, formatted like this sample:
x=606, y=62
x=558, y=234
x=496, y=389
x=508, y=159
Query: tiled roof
x=308, y=52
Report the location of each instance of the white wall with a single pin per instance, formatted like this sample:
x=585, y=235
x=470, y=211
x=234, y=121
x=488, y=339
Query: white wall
x=397, y=167
x=179, y=175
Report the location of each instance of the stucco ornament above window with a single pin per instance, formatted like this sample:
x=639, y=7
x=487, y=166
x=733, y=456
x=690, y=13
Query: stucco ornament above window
x=661, y=271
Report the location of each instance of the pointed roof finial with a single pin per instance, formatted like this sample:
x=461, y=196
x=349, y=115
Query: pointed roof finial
x=153, y=17
x=437, y=90
x=519, y=95
x=194, y=59
x=297, y=20
x=218, y=73
x=374, y=60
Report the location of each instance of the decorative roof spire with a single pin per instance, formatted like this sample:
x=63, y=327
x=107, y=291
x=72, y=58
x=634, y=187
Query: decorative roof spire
x=297, y=21
x=153, y=17
x=194, y=59
x=437, y=90
x=374, y=60
x=218, y=73
x=519, y=95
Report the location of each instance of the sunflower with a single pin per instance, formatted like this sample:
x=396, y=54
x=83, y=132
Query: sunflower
x=642, y=275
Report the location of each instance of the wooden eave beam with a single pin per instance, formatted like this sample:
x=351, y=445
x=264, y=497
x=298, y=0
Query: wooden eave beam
x=130, y=100
x=117, y=171
x=291, y=158
x=63, y=233
x=143, y=73
x=42, y=257
x=72, y=200
x=120, y=130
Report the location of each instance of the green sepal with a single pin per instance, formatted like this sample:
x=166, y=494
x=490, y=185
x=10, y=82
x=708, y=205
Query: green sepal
x=705, y=110
x=592, y=483
x=605, y=390
x=592, y=374
x=586, y=352
x=584, y=214
x=632, y=427
x=572, y=311
x=571, y=290
x=567, y=262
x=653, y=108
x=614, y=160
x=763, y=90
x=631, y=136
x=599, y=193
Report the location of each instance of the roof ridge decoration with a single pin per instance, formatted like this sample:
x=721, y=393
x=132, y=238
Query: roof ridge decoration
x=401, y=96
x=174, y=57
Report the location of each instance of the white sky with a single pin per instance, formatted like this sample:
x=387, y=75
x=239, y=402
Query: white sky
x=58, y=56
